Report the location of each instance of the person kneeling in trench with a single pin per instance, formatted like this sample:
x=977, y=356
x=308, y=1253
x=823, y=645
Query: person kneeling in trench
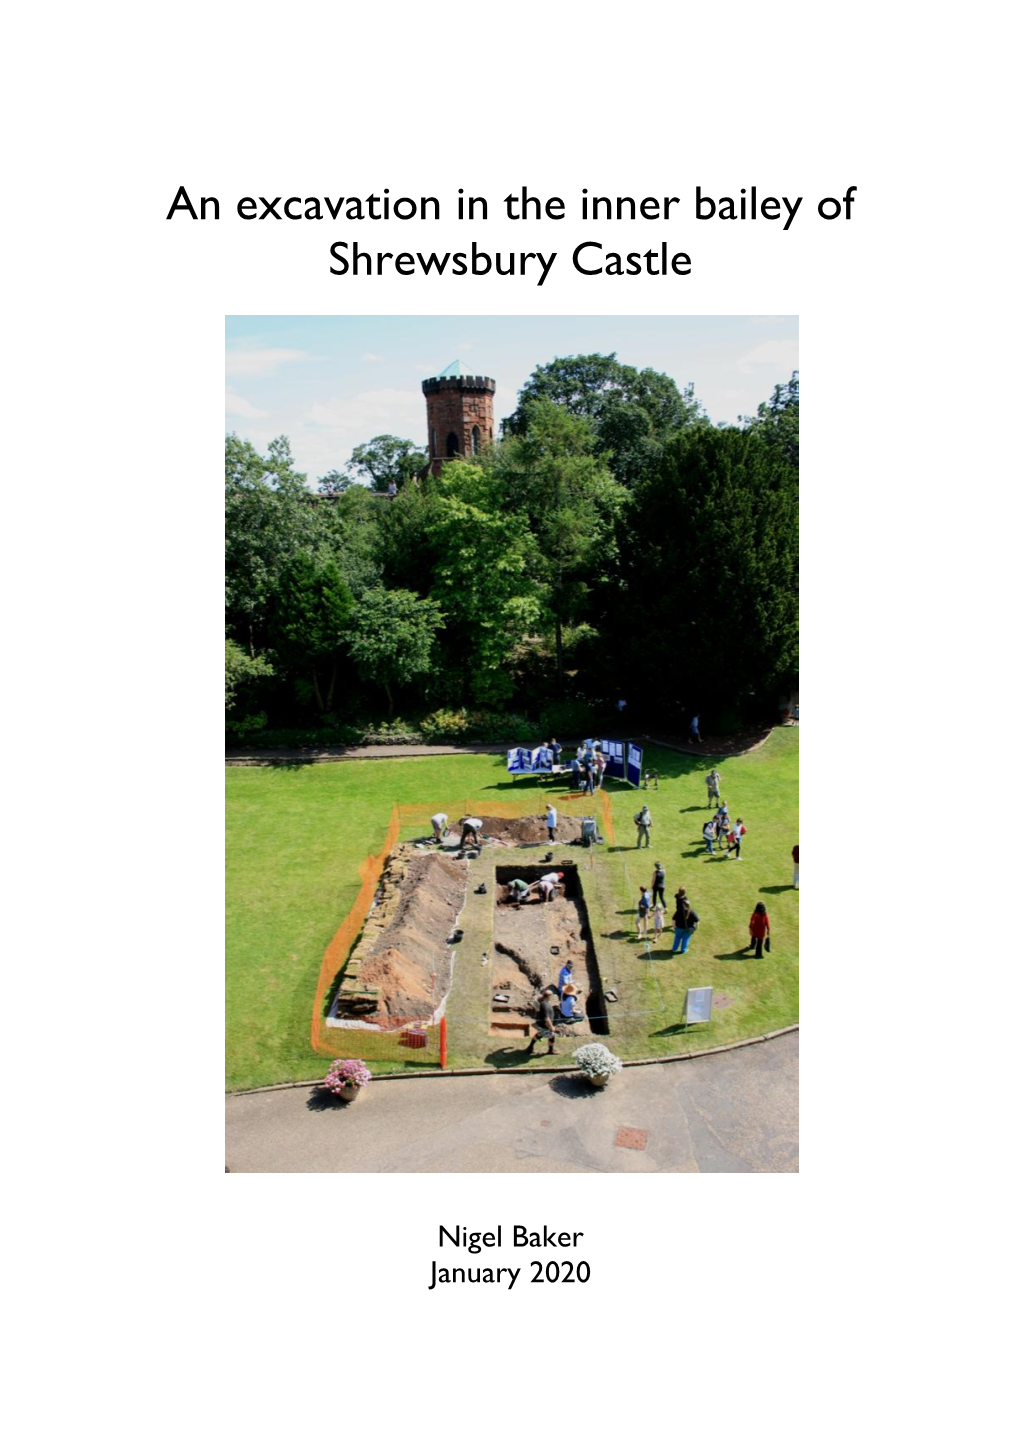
x=546, y=1024
x=516, y=891
x=568, y=1004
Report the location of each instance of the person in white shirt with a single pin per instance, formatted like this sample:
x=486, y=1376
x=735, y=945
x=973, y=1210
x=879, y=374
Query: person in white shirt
x=550, y=820
x=439, y=826
x=470, y=825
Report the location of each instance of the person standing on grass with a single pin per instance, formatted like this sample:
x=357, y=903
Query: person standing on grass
x=550, y=820
x=557, y=751
x=713, y=781
x=600, y=766
x=439, y=826
x=545, y=1027
x=575, y=774
x=795, y=853
x=759, y=928
x=658, y=918
x=644, y=906
x=685, y=922
x=709, y=831
x=643, y=822
x=659, y=884
x=737, y=834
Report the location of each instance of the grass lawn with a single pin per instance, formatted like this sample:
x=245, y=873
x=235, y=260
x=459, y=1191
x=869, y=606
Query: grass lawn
x=295, y=836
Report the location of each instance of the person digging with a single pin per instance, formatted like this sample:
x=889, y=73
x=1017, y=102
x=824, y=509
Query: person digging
x=546, y=1024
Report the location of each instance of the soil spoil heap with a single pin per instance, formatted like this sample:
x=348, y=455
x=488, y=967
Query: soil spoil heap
x=529, y=830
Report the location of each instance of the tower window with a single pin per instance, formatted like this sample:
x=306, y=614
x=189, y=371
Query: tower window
x=476, y=440
x=452, y=444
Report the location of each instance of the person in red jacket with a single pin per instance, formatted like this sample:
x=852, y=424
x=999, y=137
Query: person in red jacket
x=759, y=927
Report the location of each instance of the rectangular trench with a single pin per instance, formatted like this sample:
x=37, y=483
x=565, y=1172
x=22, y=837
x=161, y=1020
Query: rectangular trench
x=524, y=960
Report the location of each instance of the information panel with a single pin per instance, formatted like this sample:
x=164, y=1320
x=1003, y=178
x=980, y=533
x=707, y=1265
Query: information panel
x=635, y=756
x=613, y=752
x=698, y=1004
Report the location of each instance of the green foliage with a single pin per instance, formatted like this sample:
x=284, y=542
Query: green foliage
x=392, y=637
x=566, y=718
x=632, y=412
x=384, y=459
x=311, y=615
x=241, y=670
x=481, y=726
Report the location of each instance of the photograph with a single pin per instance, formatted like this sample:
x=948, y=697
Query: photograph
x=512, y=738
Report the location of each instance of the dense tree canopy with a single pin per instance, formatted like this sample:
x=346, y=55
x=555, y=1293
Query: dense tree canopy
x=612, y=536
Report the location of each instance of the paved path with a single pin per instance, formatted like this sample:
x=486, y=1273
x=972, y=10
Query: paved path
x=732, y=1112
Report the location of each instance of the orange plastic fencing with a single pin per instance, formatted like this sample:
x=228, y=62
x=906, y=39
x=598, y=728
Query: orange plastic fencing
x=347, y=933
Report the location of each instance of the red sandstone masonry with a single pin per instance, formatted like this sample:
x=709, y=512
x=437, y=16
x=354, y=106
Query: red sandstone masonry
x=456, y=405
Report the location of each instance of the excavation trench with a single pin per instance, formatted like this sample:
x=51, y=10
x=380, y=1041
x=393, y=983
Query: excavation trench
x=533, y=940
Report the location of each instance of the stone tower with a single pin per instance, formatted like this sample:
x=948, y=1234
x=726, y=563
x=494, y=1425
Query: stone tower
x=459, y=413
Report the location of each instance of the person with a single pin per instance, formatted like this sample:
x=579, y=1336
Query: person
x=709, y=832
x=470, y=825
x=546, y=1024
x=643, y=822
x=659, y=883
x=439, y=826
x=548, y=884
x=759, y=928
x=621, y=707
x=575, y=774
x=796, y=867
x=557, y=751
x=517, y=890
x=644, y=906
x=658, y=918
x=550, y=820
x=600, y=766
x=737, y=833
x=391, y=490
x=695, y=733
x=568, y=1004
x=713, y=781
x=796, y=714
x=685, y=921
x=723, y=814
x=565, y=977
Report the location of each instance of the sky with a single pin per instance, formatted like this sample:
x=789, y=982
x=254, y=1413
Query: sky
x=331, y=382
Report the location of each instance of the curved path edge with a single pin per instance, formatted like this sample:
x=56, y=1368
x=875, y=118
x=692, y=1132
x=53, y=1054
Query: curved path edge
x=526, y=1070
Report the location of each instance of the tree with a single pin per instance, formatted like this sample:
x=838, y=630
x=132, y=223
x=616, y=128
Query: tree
x=632, y=413
x=718, y=554
x=778, y=419
x=241, y=670
x=570, y=502
x=334, y=483
x=311, y=614
x=483, y=577
x=384, y=459
x=268, y=519
x=392, y=637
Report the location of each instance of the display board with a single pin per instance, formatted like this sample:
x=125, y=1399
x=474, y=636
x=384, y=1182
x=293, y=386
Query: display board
x=528, y=761
x=635, y=755
x=698, y=1004
x=613, y=751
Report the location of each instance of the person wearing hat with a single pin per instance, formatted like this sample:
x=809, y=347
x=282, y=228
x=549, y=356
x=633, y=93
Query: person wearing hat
x=568, y=1004
x=546, y=1025
x=565, y=977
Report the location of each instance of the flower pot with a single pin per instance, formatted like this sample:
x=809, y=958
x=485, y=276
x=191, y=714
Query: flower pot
x=600, y=1080
x=349, y=1091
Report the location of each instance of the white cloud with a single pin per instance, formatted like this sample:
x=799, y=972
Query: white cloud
x=781, y=355
x=238, y=406
x=260, y=360
x=371, y=356
x=370, y=413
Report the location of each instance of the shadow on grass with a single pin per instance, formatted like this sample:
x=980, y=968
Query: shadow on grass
x=777, y=890
x=740, y=955
x=677, y=1029
x=508, y=1056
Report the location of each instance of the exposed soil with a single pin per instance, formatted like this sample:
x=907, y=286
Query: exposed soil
x=525, y=962
x=529, y=830
x=410, y=962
